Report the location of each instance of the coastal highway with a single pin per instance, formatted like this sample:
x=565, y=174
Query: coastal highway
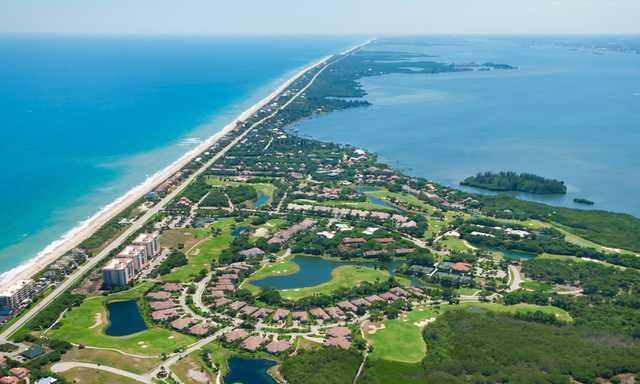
x=140, y=222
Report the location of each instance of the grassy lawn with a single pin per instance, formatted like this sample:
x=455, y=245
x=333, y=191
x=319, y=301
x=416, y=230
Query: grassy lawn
x=81, y=326
x=201, y=255
x=95, y=376
x=454, y=244
x=187, y=237
x=401, y=339
x=344, y=276
x=112, y=359
x=219, y=356
x=536, y=286
x=467, y=291
x=405, y=198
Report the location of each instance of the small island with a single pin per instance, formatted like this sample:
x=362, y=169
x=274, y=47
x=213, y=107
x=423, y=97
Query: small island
x=580, y=200
x=512, y=181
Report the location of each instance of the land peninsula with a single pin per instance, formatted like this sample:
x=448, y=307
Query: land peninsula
x=416, y=271
x=515, y=182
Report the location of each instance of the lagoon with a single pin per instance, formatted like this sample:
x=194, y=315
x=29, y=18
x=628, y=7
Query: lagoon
x=124, y=318
x=565, y=113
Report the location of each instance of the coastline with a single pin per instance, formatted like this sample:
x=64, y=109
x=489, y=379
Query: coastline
x=86, y=228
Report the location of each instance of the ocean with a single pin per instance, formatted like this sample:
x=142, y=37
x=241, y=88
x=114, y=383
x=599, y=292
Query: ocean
x=86, y=118
x=571, y=111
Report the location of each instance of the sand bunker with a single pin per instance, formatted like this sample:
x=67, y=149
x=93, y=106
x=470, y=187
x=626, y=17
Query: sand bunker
x=424, y=322
x=373, y=328
x=98, y=321
x=261, y=232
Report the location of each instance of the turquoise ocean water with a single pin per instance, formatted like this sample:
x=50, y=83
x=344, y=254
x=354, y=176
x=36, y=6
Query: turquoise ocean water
x=570, y=111
x=84, y=119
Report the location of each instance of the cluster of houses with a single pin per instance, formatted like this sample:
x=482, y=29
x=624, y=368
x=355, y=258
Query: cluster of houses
x=166, y=309
x=400, y=220
x=16, y=375
x=131, y=260
x=255, y=342
x=286, y=234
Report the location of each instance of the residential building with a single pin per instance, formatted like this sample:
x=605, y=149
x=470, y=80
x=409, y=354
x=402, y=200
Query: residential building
x=137, y=254
x=13, y=296
x=150, y=241
x=118, y=272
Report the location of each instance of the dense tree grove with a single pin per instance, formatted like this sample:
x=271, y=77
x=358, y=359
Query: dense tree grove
x=323, y=366
x=472, y=347
x=512, y=181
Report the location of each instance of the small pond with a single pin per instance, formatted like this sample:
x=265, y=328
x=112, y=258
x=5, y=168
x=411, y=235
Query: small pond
x=514, y=255
x=124, y=318
x=238, y=231
x=373, y=199
x=249, y=371
x=261, y=200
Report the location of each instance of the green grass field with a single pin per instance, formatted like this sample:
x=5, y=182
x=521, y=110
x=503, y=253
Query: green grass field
x=345, y=276
x=401, y=339
x=454, y=244
x=94, y=376
x=203, y=253
x=405, y=198
x=85, y=325
x=111, y=358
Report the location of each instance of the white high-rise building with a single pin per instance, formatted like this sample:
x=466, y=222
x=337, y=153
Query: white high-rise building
x=13, y=296
x=118, y=272
x=150, y=241
x=137, y=254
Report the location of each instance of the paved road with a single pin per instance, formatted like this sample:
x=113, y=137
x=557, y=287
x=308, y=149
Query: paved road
x=65, y=366
x=516, y=278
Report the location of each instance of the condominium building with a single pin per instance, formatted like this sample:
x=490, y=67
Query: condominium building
x=137, y=254
x=150, y=241
x=13, y=296
x=118, y=272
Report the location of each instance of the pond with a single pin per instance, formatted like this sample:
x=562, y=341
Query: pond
x=374, y=199
x=124, y=318
x=261, y=200
x=315, y=270
x=238, y=231
x=249, y=371
x=513, y=255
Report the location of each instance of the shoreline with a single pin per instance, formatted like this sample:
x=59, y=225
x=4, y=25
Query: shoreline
x=88, y=227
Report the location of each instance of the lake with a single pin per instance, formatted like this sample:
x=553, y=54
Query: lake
x=315, y=270
x=565, y=113
x=249, y=371
x=124, y=318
